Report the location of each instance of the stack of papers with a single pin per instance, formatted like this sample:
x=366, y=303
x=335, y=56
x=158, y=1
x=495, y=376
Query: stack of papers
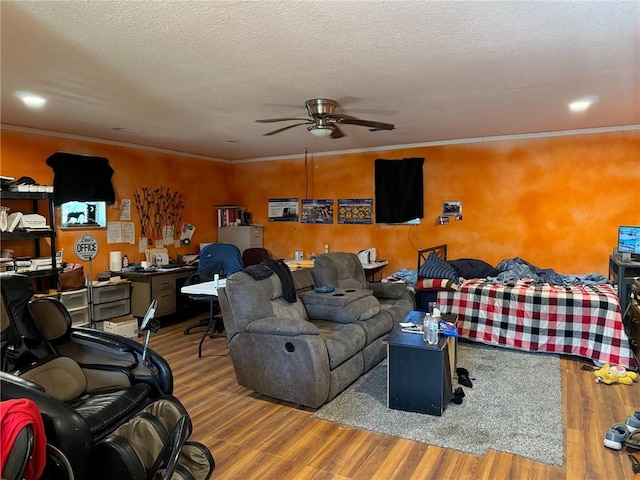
x=21, y=187
x=13, y=221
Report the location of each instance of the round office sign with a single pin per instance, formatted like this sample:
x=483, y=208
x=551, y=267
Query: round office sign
x=86, y=247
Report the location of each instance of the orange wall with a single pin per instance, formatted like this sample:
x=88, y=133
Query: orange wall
x=203, y=183
x=555, y=201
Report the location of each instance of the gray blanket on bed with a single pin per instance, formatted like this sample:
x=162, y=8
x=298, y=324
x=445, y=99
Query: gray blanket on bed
x=514, y=269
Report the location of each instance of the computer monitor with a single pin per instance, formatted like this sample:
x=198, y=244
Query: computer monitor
x=629, y=242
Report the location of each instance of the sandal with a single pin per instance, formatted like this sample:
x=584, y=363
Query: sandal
x=633, y=442
x=633, y=422
x=616, y=435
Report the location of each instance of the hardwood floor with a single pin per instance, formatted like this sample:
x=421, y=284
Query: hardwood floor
x=256, y=437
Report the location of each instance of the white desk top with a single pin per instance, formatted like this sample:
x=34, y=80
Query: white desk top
x=208, y=288
x=204, y=288
x=297, y=264
x=374, y=265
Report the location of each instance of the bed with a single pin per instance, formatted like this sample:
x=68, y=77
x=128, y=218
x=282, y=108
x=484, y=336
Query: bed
x=582, y=320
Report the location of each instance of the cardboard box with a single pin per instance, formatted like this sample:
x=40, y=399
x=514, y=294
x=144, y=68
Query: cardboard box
x=126, y=326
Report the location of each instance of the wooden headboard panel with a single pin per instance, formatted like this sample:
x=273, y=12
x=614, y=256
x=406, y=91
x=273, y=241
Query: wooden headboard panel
x=440, y=251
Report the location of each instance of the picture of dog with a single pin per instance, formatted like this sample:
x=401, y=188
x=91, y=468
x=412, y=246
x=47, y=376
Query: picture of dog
x=74, y=217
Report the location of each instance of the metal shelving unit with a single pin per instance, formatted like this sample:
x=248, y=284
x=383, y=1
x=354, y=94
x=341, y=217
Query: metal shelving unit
x=35, y=198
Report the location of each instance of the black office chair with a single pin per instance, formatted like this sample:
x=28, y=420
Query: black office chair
x=216, y=258
x=254, y=256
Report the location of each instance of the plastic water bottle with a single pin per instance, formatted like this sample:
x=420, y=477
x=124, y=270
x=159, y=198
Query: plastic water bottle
x=430, y=330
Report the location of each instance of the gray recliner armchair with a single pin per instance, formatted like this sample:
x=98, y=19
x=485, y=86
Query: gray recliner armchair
x=308, y=351
x=344, y=270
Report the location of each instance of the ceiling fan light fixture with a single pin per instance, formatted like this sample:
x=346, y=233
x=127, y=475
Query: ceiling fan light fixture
x=323, y=122
x=320, y=131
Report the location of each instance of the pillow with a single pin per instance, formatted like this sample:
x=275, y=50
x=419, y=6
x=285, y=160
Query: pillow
x=435, y=284
x=473, y=268
x=435, y=267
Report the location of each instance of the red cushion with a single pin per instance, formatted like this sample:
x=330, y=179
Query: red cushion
x=431, y=284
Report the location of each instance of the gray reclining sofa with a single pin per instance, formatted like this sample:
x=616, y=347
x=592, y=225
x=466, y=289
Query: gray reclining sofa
x=309, y=350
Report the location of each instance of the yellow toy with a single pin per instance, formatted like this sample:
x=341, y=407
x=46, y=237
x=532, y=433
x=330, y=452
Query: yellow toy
x=609, y=375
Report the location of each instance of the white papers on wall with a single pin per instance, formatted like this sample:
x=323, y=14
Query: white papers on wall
x=125, y=209
x=114, y=232
x=121, y=232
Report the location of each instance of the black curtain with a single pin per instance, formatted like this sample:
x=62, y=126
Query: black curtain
x=81, y=178
x=399, y=190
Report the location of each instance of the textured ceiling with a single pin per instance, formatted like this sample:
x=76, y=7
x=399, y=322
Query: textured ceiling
x=193, y=76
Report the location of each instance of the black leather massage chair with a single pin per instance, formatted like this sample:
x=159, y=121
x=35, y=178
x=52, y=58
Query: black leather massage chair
x=90, y=386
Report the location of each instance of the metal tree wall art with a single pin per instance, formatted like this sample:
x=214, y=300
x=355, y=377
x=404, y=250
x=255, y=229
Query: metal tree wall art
x=158, y=207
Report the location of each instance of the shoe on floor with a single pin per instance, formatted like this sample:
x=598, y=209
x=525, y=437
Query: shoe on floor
x=633, y=442
x=463, y=377
x=633, y=422
x=615, y=436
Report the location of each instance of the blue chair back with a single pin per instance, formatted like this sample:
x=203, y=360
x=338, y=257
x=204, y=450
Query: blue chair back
x=221, y=258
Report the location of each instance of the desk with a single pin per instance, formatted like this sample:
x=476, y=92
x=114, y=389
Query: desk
x=204, y=288
x=161, y=285
x=623, y=274
x=211, y=289
x=299, y=264
x=370, y=269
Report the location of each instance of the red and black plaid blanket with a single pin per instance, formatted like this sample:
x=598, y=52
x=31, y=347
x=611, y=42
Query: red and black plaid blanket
x=582, y=320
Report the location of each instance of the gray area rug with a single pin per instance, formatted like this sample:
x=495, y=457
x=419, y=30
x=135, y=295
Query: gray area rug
x=515, y=406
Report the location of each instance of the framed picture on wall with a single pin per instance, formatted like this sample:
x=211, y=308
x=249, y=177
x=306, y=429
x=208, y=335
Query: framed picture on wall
x=452, y=208
x=317, y=211
x=357, y=211
x=283, y=209
x=83, y=215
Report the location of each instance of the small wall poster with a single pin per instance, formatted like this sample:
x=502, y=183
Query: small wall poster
x=283, y=209
x=452, y=208
x=317, y=211
x=355, y=210
x=125, y=209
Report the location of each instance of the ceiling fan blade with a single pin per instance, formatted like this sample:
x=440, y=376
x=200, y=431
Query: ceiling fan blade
x=373, y=126
x=285, y=128
x=269, y=120
x=337, y=133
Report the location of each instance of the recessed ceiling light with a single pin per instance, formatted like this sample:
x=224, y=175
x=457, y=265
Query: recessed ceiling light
x=583, y=104
x=31, y=100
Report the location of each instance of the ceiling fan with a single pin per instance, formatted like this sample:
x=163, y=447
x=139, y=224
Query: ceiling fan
x=323, y=122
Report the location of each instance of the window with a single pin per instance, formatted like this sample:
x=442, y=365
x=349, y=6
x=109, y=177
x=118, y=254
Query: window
x=83, y=215
x=399, y=190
